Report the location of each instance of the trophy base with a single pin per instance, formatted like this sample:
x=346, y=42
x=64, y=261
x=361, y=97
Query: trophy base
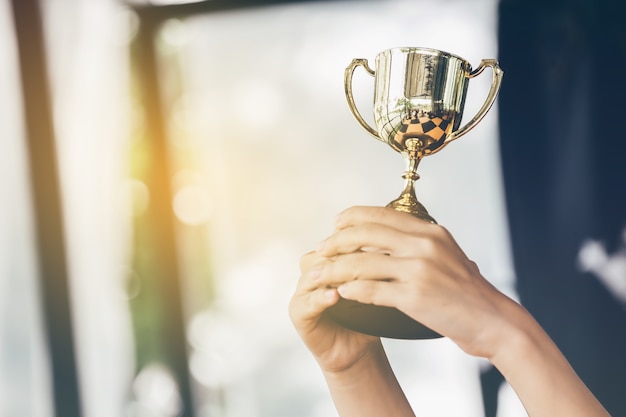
x=407, y=203
x=379, y=321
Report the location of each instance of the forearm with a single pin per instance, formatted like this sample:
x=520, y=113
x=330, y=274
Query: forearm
x=369, y=388
x=540, y=374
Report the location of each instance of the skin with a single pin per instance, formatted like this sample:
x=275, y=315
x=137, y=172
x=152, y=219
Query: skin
x=381, y=256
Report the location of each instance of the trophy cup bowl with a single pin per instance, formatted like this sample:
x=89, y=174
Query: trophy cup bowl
x=419, y=95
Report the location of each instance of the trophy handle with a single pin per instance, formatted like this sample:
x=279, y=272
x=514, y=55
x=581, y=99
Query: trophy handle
x=348, y=88
x=491, y=98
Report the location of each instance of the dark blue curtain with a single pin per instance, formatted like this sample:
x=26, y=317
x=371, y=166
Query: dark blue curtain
x=562, y=112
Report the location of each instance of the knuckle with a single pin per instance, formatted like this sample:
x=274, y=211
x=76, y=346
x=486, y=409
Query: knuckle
x=429, y=246
x=347, y=268
x=473, y=267
x=439, y=232
x=295, y=310
x=378, y=213
x=361, y=214
x=306, y=260
x=364, y=230
x=291, y=309
x=435, y=239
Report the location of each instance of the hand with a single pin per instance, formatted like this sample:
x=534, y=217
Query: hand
x=389, y=258
x=384, y=257
x=355, y=365
x=335, y=348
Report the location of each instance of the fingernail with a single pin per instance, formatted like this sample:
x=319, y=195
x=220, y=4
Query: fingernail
x=314, y=274
x=339, y=222
x=343, y=291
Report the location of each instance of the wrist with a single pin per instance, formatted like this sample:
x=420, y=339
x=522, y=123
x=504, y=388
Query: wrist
x=524, y=347
x=541, y=376
x=368, y=387
x=373, y=358
x=517, y=337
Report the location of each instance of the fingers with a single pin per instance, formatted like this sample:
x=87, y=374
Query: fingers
x=420, y=239
x=317, y=287
x=309, y=306
x=320, y=272
x=367, y=237
x=383, y=257
x=371, y=244
x=311, y=297
x=387, y=216
x=381, y=293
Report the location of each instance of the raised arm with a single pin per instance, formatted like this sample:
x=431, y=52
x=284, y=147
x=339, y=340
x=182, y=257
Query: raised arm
x=359, y=377
x=389, y=258
x=384, y=257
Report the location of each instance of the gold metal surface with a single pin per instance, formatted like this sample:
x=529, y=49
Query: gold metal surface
x=419, y=95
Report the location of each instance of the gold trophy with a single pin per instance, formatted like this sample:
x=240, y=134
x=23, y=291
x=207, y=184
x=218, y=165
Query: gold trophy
x=419, y=95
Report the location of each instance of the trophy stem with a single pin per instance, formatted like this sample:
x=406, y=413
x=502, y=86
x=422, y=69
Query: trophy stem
x=407, y=202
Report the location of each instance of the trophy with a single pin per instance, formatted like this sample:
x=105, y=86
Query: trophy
x=419, y=95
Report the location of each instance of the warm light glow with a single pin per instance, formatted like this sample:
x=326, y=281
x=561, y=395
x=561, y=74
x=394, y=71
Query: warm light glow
x=156, y=393
x=134, y=197
x=175, y=32
x=192, y=205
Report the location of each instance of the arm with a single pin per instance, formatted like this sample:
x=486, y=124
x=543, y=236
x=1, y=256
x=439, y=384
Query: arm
x=359, y=377
x=539, y=373
x=369, y=388
x=384, y=257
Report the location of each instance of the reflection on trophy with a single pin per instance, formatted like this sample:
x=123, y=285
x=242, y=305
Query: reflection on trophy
x=419, y=95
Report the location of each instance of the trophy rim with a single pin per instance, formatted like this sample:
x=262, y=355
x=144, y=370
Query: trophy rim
x=431, y=51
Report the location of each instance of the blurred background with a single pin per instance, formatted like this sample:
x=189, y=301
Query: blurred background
x=166, y=163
